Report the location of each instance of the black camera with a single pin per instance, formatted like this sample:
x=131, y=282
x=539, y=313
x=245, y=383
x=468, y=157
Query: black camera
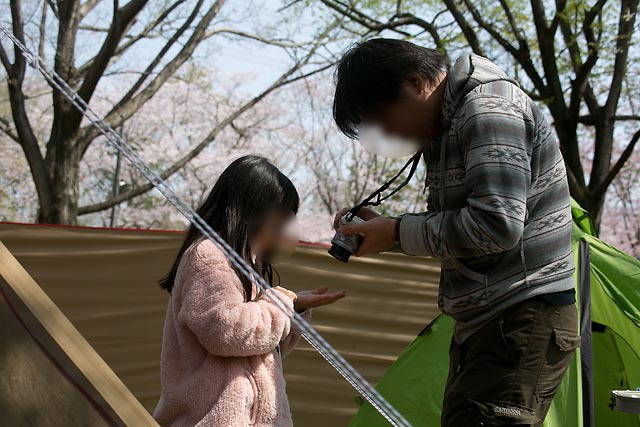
x=343, y=246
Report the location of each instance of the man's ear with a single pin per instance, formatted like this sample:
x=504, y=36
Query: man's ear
x=417, y=83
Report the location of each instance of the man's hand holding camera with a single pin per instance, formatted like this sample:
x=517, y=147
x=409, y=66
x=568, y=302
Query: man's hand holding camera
x=379, y=232
x=364, y=213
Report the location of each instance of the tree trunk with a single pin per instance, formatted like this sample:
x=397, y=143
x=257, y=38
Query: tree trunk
x=65, y=184
x=30, y=147
x=567, y=133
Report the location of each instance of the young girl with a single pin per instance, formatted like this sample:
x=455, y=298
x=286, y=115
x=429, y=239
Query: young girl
x=223, y=342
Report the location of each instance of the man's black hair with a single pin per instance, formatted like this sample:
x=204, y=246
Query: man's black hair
x=370, y=76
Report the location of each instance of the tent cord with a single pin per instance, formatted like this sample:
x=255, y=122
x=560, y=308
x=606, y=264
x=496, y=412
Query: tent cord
x=350, y=374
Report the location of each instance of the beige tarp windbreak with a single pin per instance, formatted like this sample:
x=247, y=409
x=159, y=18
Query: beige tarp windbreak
x=104, y=281
x=50, y=374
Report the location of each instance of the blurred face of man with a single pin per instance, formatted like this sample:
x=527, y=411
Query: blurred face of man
x=416, y=115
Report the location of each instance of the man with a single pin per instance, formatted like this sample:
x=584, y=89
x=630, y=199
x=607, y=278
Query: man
x=498, y=217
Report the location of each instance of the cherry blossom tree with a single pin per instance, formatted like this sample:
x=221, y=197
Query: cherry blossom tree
x=149, y=40
x=183, y=112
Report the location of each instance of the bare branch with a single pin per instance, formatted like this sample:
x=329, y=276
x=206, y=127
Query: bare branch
x=5, y=127
x=5, y=61
x=285, y=79
x=288, y=5
x=24, y=131
x=54, y=8
x=581, y=68
x=131, y=102
x=467, y=29
x=546, y=36
x=626, y=24
x=591, y=100
x=19, y=63
x=613, y=172
x=603, y=151
x=121, y=21
x=490, y=28
x=43, y=31
x=355, y=15
x=146, y=32
x=589, y=120
x=243, y=34
x=522, y=54
x=397, y=21
x=409, y=19
x=64, y=66
x=589, y=18
x=93, y=29
x=576, y=187
x=522, y=41
x=87, y=7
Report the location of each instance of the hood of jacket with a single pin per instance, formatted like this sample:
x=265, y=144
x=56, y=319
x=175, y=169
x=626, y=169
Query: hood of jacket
x=467, y=73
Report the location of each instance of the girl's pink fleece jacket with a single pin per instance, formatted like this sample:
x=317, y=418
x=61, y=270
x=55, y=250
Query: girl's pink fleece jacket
x=219, y=363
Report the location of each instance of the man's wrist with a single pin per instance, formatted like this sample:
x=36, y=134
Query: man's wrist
x=397, y=230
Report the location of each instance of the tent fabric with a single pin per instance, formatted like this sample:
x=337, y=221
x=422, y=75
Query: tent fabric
x=50, y=374
x=615, y=311
x=104, y=281
x=415, y=382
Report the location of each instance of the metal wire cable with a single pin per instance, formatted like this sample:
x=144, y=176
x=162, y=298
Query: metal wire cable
x=350, y=374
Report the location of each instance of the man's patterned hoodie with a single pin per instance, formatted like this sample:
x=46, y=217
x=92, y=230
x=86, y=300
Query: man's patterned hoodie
x=498, y=212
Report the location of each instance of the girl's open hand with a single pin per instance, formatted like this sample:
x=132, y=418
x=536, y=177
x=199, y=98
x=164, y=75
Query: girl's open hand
x=316, y=298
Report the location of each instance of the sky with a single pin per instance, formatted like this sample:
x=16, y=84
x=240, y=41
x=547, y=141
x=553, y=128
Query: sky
x=263, y=63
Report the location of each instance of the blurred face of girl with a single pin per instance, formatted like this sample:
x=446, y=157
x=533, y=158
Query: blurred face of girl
x=277, y=236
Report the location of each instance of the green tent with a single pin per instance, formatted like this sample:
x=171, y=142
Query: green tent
x=609, y=358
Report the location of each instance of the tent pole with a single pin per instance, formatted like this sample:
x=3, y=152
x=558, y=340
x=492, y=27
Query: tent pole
x=586, y=351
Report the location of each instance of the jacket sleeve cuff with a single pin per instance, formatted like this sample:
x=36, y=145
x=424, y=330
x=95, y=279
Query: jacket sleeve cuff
x=413, y=235
x=273, y=294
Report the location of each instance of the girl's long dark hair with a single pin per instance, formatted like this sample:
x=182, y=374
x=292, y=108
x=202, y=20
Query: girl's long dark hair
x=248, y=189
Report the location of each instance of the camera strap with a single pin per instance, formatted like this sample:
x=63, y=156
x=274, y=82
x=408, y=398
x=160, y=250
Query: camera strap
x=376, y=198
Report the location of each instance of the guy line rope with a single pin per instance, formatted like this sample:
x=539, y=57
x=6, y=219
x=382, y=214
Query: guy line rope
x=343, y=367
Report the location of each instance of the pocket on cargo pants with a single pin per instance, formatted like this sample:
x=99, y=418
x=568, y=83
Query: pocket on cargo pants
x=563, y=342
x=547, y=352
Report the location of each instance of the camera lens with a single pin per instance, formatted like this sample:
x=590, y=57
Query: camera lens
x=342, y=245
x=339, y=253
